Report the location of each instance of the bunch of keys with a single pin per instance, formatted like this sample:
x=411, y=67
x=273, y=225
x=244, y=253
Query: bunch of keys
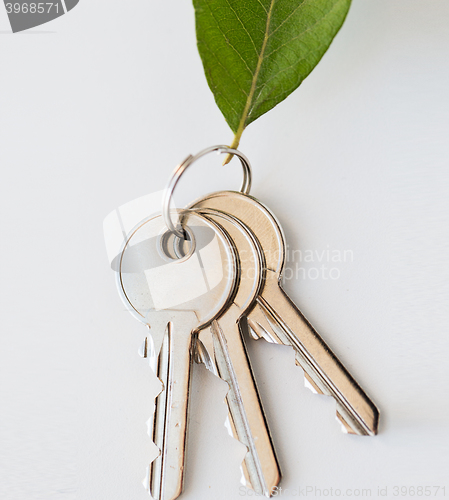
x=198, y=286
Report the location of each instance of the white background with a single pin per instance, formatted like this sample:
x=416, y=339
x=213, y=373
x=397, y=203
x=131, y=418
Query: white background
x=96, y=109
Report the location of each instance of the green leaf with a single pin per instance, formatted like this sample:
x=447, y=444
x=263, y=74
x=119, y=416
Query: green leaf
x=257, y=52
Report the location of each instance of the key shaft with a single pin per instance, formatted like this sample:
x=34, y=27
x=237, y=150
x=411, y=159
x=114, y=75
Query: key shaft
x=227, y=357
x=169, y=428
x=231, y=363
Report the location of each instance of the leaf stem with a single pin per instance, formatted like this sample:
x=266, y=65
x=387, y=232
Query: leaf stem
x=234, y=145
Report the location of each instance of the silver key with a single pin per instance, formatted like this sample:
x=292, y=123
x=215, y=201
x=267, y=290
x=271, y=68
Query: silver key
x=276, y=318
x=174, y=298
x=221, y=347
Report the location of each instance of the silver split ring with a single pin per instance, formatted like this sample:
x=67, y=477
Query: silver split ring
x=180, y=169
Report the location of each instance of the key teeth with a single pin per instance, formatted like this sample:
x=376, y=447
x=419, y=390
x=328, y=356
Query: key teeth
x=308, y=382
x=344, y=429
x=211, y=343
x=261, y=332
x=244, y=478
x=359, y=427
x=150, y=424
x=252, y=333
x=309, y=386
x=262, y=325
x=146, y=481
x=359, y=430
x=257, y=331
x=260, y=480
x=143, y=349
x=202, y=356
x=146, y=350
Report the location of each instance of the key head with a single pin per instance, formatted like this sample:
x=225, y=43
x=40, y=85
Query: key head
x=254, y=214
x=202, y=281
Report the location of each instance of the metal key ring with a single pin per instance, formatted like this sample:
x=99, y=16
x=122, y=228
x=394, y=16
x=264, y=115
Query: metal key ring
x=180, y=169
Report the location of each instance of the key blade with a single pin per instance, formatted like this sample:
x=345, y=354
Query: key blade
x=322, y=369
x=227, y=358
x=164, y=479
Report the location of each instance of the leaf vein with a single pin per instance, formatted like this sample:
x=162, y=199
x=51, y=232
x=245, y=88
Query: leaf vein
x=243, y=26
x=308, y=30
x=227, y=41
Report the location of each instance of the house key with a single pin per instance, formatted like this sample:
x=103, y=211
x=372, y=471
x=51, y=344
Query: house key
x=277, y=319
x=174, y=298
